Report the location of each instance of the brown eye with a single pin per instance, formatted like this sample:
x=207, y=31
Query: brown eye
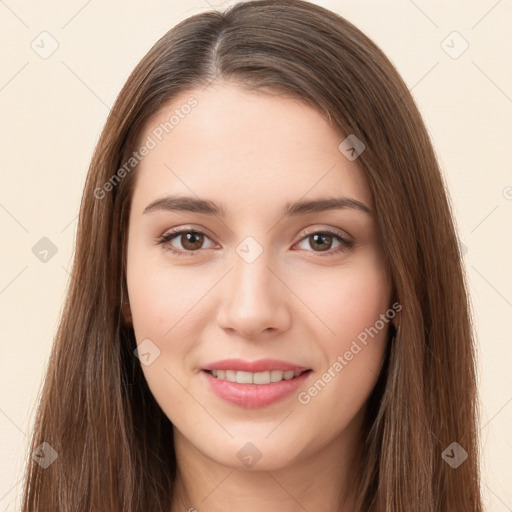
x=322, y=241
x=191, y=240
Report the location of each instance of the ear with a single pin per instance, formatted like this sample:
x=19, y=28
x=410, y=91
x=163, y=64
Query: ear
x=126, y=313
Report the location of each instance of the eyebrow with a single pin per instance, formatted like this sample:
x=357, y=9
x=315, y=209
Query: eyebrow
x=207, y=207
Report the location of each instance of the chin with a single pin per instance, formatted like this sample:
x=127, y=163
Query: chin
x=254, y=453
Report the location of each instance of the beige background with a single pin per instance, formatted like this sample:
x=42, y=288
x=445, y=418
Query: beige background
x=53, y=110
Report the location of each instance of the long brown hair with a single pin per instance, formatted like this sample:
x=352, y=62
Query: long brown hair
x=114, y=443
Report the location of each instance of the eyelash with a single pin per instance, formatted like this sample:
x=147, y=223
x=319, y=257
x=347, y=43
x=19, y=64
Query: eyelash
x=346, y=245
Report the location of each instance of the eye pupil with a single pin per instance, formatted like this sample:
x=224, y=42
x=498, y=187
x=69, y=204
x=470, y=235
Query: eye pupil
x=192, y=239
x=324, y=246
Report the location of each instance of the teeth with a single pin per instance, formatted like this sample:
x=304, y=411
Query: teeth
x=231, y=375
x=244, y=377
x=254, y=378
x=276, y=375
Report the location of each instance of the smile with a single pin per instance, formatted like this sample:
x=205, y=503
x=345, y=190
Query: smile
x=254, y=389
x=265, y=377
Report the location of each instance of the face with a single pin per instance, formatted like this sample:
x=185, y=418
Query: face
x=244, y=281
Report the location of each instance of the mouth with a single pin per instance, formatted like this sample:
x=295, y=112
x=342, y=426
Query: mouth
x=254, y=389
x=264, y=377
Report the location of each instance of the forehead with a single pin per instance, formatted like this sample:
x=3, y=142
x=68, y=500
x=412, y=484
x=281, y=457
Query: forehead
x=244, y=148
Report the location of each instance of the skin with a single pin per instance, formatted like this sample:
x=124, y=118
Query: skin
x=252, y=153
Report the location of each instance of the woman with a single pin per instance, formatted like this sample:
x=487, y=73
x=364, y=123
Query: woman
x=267, y=308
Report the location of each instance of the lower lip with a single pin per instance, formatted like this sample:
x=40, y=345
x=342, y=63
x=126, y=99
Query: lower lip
x=254, y=395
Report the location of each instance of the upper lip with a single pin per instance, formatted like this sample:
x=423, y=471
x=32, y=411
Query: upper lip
x=260, y=365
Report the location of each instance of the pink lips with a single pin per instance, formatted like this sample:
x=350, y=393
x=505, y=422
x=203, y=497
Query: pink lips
x=261, y=365
x=254, y=395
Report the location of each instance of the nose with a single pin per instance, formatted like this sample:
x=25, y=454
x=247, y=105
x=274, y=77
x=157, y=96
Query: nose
x=254, y=299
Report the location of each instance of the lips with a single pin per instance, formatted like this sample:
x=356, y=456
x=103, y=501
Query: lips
x=262, y=365
x=254, y=384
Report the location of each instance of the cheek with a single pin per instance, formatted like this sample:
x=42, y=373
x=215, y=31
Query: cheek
x=353, y=333
x=348, y=300
x=356, y=309
x=160, y=297
x=162, y=306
